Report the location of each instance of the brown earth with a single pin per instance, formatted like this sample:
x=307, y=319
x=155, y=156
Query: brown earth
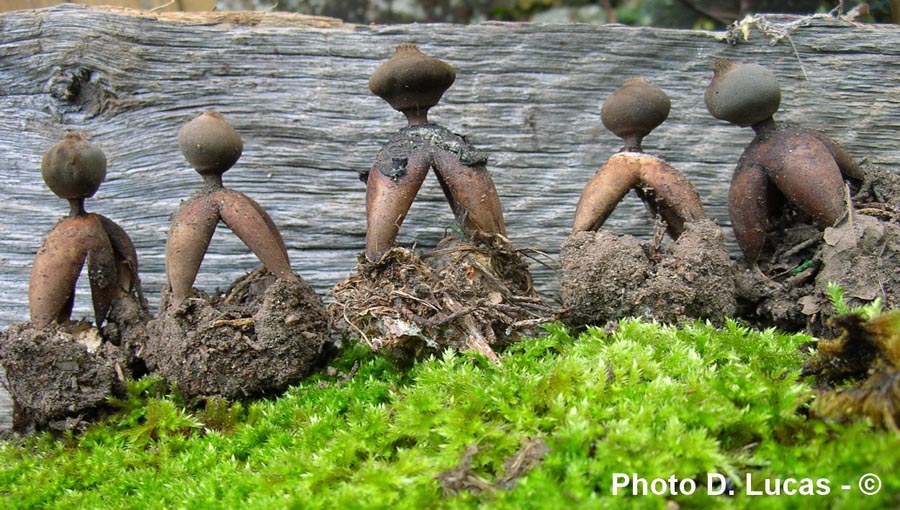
x=60, y=377
x=788, y=290
x=467, y=295
x=259, y=337
x=605, y=277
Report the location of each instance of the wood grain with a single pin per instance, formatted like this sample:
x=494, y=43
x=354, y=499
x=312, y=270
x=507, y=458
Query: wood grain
x=295, y=87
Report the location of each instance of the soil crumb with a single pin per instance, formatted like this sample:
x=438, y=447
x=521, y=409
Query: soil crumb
x=788, y=289
x=607, y=277
x=527, y=458
x=256, y=339
x=462, y=478
x=60, y=377
x=858, y=374
x=468, y=295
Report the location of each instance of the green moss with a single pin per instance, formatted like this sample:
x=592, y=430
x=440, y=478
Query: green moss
x=455, y=432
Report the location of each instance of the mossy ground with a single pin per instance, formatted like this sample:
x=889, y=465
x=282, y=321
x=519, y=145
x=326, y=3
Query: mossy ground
x=457, y=432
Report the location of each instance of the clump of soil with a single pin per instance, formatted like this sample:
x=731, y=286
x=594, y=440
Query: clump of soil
x=467, y=295
x=259, y=337
x=858, y=374
x=606, y=277
x=463, y=478
x=788, y=290
x=60, y=377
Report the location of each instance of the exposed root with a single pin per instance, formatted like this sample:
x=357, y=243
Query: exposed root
x=885, y=211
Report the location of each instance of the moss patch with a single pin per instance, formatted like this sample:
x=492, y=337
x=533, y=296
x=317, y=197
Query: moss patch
x=547, y=428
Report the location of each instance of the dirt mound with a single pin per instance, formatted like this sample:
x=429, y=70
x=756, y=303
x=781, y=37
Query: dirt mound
x=60, y=377
x=606, y=277
x=861, y=255
x=262, y=335
x=474, y=296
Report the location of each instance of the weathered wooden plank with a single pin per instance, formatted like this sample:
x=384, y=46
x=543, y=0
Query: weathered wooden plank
x=296, y=89
x=157, y=5
x=5, y=407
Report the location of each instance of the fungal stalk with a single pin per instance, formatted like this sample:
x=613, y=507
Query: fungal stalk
x=631, y=113
x=412, y=83
x=212, y=147
x=783, y=163
x=74, y=169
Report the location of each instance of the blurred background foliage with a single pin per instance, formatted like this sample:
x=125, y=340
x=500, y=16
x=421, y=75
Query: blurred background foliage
x=699, y=14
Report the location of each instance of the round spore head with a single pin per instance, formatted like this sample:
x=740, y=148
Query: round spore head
x=635, y=108
x=411, y=80
x=210, y=144
x=742, y=94
x=73, y=168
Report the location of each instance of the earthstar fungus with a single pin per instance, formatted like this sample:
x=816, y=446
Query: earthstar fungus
x=606, y=277
x=471, y=292
x=783, y=163
x=631, y=113
x=212, y=146
x=74, y=169
x=412, y=83
x=264, y=332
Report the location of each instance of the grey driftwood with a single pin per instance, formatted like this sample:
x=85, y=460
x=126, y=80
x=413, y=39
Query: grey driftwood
x=295, y=87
